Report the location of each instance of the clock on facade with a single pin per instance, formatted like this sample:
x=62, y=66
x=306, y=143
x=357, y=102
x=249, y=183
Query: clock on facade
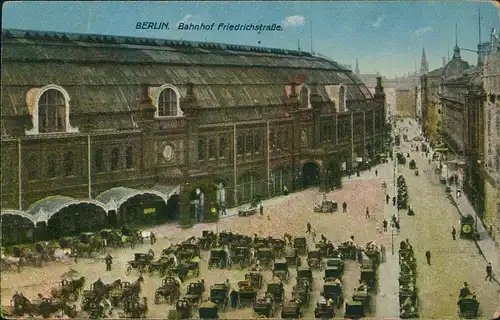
x=168, y=152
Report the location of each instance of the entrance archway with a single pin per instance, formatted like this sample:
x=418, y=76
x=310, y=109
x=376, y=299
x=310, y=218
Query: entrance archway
x=173, y=208
x=142, y=209
x=310, y=174
x=17, y=228
x=76, y=218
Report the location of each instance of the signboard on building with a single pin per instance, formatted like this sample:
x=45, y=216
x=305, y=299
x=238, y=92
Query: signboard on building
x=149, y=210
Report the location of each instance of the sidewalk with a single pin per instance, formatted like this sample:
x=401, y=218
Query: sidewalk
x=486, y=245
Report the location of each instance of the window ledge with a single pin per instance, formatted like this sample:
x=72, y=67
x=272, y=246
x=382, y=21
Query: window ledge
x=169, y=117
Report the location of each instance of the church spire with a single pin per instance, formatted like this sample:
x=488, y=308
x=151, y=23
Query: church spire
x=424, y=66
x=357, y=67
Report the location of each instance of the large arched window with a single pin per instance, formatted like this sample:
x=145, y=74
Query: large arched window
x=51, y=112
x=249, y=143
x=212, y=149
x=129, y=158
x=168, y=103
x=99, y=167
x=115, y=159
x=222, y=147
x=304, y=97
x=341, y=99
x=201, y=149
x=69, y=164
x=240, y=145
x=51, y=166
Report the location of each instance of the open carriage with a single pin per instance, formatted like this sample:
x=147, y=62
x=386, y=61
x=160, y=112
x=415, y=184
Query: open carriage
x=140, y=263
x=247, y=292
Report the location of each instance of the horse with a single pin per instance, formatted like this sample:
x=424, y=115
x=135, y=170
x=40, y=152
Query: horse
x=61, y=254
x=8, y=262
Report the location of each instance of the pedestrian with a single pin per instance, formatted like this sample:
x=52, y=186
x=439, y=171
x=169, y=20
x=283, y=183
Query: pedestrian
x=344, y=207
x=152, y=237
x=75, y=252
x=234, y=299
x=308, y=228
x=428, y=257
x=396, y=224
x=367, y=215
x=261, y=208
x=459, y=193
x=385, y=225
x=285, y=190
x=489, y=272
x=394, y=201
x=314, y=235
x=109, y=261
x=387, y=198
x=454, y=233
x=376, y=173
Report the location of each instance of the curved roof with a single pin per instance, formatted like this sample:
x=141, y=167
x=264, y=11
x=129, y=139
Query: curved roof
x=44, y=209
x=110, y=74
x=19, y=213
x=115, y=197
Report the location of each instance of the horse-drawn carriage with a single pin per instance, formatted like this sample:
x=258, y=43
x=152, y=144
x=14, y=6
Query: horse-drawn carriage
x=160, y=266
x=324, y=311
x=302, y=292
x=291, y=310
x=183, y=269
x=219, y=294
x=169, y=290
x=69, y=290
x=300, y=244
x=241, y=256
x=304, y=273
x=354, y=310
x=248, y=212
x=348, y=250
x=326, y=206
x=314, y=259
x=265, y=256
x=276, y=290
x=208, y=239
x=247, y=292
x=468, y=307
x=218, y=258
x=194, y=292
x=334, y=267
x=408, y=303
x=280, y=270
x=188, y=251
x=255, y=277
x=208, y=310
x=467, y=227
x=140, y=263
x=369, y=275
x=332, y=289
x=326, y=249
x=183, y=310
x=291, y=256
x=264, y=307
x=361, y=303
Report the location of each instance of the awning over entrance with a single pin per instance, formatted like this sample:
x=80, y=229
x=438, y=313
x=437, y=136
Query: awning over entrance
x=19, y=213
x=44, y=209
x=114, y=198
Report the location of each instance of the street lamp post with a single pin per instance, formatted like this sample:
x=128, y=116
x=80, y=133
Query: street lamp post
x=392, y=237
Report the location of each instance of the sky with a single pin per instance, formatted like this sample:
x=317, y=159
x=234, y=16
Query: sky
x=387, y=37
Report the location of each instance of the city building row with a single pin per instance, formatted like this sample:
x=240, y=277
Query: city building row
x=460, y=105
x=104, y=130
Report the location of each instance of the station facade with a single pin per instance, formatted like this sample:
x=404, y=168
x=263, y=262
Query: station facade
x=99, y=131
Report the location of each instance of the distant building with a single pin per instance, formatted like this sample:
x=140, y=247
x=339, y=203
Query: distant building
x=424, y=65
x=406, y=103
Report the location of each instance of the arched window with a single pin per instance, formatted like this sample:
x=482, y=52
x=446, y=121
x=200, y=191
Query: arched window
x=249, y=143
x=212, y=149
x=257, y=142
x=129, y=158
x=99, y=161
x=167, y=103
x=304, y=97
x=51, y=112
x=341, y=99
x=222, y=147
x=115, y=158
x=68, y=164
x=32, y=168
x=240, y=145
x=51, y=166
x=201, y=149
